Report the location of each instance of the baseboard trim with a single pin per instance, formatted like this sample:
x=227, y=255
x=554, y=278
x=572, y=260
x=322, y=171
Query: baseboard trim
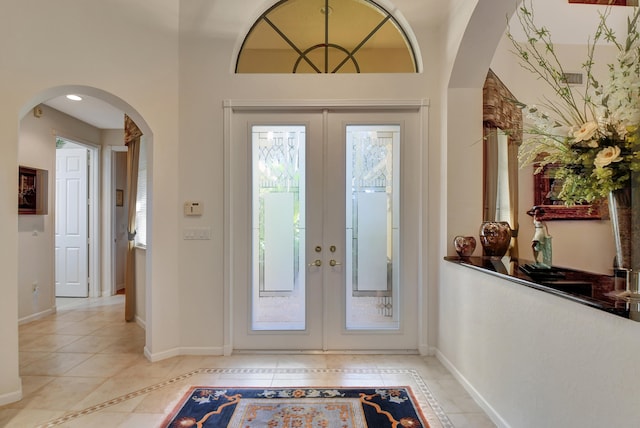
x=175, y=352
x=141, y=322
x=490, y=411
x=37, y=316
x=11, y=397
x=426, y=350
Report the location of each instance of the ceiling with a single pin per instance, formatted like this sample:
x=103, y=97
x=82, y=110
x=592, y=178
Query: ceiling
x=91, y=110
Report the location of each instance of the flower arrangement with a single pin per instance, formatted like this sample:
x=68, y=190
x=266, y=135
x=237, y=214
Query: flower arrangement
x=591, y=137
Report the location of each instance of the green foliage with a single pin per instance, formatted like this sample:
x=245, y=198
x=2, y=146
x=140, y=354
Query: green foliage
x=590, y=138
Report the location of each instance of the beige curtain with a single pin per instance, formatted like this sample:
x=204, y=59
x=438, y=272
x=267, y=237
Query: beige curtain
x=490, y=184
x=500, y=110
x=132, y=136
x=513, y=195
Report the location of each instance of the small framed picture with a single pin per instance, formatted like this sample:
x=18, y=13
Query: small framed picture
x=119, y=198
x=545, y=192
x=32, y=191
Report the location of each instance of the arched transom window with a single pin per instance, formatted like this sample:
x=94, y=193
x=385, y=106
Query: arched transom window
x=326, y=36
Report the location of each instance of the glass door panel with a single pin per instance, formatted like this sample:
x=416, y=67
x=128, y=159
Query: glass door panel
x=278, y=228
x=372, y=226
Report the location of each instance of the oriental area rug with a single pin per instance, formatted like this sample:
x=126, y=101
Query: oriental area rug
x=274, y=407
x=297, y=407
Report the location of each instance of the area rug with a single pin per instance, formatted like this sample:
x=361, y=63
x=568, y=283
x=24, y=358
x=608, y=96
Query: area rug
x=435, y=415
x=380, y=407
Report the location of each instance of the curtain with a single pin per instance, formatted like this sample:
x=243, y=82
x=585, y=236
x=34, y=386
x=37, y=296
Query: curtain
x=490, y=184
x=132, y=136
x=501, y=110
x=513, y=194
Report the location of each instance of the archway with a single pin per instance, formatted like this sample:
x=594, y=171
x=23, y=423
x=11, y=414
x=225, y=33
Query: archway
x=102, y=215
x=470, y=65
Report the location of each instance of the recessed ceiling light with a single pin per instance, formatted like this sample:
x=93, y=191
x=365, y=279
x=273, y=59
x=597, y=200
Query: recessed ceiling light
x=74, y=97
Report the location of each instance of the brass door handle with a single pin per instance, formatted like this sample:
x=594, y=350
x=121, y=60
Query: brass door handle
x=334, y=263
x=317, y=262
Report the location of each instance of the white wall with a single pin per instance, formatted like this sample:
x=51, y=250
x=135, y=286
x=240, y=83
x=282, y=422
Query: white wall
x=531, y=359
x=37, y=148
x=209, y=38
x=537, y=360
x=141, y=278
x=126, y=53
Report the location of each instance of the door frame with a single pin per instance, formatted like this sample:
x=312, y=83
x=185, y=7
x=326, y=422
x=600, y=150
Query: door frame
x=93, y=175
x=231, y=106
x=109, y=215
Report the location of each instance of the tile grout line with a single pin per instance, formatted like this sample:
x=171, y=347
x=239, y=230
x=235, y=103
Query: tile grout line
x=433, y=403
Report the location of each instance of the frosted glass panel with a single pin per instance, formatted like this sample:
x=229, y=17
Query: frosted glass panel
x=372, y=225
x=372, y=242
x=278, y=241
x=278, y=225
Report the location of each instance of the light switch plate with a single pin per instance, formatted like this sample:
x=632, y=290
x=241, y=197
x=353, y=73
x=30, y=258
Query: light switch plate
x=196, y=233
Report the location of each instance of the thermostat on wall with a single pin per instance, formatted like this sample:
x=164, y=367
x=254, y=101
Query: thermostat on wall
x=193, y=208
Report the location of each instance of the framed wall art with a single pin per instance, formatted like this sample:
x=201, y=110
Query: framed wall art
x=545, y=191
x=608, y=2
x=32, y=191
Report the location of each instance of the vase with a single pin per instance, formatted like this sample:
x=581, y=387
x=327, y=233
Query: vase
x=625, y=225
x=464, y=245
x=620, y=212
x=495, y=238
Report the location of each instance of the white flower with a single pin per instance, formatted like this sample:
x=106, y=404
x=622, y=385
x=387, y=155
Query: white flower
x=585, y=132
x=606, y=156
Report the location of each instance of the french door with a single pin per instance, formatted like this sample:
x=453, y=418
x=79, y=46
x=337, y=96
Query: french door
x=324, y=230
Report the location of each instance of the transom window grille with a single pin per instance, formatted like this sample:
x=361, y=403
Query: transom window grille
x=326, y=36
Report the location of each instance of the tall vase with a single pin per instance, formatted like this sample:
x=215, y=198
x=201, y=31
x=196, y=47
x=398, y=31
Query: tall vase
x=626, y=233
x=620, y=210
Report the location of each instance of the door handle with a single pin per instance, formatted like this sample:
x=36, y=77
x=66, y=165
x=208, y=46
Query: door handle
x=317, y=262
x=334, y=263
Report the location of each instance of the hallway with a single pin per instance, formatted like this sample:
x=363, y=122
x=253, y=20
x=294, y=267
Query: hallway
x=87, y=364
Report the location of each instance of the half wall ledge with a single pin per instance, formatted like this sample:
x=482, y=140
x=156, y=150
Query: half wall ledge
x=590, y=289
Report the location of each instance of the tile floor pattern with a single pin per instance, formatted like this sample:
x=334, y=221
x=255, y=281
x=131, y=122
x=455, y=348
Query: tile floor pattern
x=86, y=359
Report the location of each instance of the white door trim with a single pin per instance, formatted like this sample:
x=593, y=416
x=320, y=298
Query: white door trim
x=109, y=215
x=231, y=106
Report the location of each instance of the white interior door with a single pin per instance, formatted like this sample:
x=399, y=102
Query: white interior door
x=324, y=205
x=71, y=231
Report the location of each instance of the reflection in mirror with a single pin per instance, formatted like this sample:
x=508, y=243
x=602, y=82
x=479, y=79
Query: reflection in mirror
x=497, y=205
x=502, y=133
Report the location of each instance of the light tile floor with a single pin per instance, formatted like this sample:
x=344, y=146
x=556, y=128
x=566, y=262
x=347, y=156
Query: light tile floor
x=85, y=358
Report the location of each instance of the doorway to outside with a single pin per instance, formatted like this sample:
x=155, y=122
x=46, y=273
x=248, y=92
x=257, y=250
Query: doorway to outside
x=76, y=208
x=325, y=219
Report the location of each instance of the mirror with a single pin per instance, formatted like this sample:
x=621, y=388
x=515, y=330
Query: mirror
x=502, y=131
x=497, y=199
